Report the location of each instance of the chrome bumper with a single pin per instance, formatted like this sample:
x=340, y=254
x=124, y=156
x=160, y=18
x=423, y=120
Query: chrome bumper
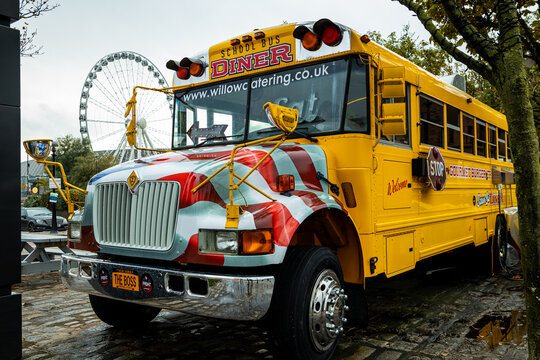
x=238, y=297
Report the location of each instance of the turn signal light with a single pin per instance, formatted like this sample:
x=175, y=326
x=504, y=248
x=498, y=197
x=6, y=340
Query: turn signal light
x=195, y=66
x=285, y=183
x=257, y=242
x=310, y=40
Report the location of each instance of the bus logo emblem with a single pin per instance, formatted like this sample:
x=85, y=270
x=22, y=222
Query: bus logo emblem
x=436, y=169
x=132, y=180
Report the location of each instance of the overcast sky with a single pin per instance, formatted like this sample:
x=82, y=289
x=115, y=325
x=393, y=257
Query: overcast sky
x=80, y=32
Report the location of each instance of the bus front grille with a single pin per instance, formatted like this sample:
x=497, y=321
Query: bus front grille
x=144, y=220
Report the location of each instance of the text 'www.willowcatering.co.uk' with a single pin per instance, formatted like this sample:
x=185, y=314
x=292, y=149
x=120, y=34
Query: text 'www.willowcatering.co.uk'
x=260, y=82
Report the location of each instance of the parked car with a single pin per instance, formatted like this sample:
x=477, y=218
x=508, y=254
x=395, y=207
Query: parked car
x=40, y=218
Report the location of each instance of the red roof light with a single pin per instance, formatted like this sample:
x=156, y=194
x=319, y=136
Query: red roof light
x=331, y=36
x=182, y=73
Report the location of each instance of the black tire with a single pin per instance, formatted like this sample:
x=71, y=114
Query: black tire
x=122, y=314
x=358, y=313
x=31, y=227
x=500, y=244
x=305, y=297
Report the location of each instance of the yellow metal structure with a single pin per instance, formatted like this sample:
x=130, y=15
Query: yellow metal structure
x=284, y=119
x=32, y=148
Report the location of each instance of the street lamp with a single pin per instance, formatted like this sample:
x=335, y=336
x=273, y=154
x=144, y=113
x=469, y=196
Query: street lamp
x=54, y=228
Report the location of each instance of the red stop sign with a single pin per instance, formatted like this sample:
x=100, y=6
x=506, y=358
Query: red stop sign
x=436, y=168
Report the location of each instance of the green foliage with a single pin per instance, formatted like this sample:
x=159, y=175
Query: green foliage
x=89, y=165
x=32, y=201
x=70, y=148
x=42, y=200
x=420, y=52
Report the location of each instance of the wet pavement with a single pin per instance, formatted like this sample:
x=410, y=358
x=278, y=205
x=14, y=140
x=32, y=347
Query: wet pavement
x=453, y=314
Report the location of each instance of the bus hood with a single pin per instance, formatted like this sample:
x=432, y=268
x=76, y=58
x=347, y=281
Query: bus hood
x=205, y=209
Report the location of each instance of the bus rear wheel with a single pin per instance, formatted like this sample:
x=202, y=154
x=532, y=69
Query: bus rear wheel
x=121, y=313
x=500, y=244
x=308, y=307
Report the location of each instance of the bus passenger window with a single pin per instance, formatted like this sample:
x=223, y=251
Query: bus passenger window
x=508, y=150
x=431, y=122
x=492, y=138
x=502, y=144
x=468, y=134
x=356, y=117
x=453, y=128
x=480, y=138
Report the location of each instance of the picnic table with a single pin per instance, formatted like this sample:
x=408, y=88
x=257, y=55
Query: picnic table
x=42, y=249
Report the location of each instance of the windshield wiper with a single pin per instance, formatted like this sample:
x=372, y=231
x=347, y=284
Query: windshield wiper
x=214, y=138
x=301, y=134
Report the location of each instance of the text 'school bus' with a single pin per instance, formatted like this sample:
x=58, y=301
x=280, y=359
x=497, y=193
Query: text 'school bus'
x=387, y=165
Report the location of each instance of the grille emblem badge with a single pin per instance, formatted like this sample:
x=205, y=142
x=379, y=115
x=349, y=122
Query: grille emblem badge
x=132, y=181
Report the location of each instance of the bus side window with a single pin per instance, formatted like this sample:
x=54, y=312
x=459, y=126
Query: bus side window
x=431, y=122
x=356, y=117
x=502, y=144
x=492, y=139
x=453, y=129
x=508, y=150
x=480, y=138
x=468, y=134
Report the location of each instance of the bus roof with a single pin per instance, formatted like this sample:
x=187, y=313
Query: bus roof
x=276, y=47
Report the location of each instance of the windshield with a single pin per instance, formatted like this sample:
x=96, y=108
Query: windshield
x=217, y=113
x=39, y=212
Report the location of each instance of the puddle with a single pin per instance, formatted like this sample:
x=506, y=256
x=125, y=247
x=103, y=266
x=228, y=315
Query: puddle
x=499, y=329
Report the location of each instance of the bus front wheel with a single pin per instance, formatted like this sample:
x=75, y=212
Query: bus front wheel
x=308, y=307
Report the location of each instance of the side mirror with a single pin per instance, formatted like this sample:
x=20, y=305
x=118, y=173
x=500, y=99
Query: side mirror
x=38, y=149
x=282, y=117
x=393, y=82
x=393, y=119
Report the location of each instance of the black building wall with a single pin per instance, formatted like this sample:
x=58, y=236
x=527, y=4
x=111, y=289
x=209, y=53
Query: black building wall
x=10, y=243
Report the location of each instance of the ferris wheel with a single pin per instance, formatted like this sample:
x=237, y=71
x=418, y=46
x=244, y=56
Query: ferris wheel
x=107, y=89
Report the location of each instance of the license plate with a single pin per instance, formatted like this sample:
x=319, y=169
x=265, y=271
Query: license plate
x=125, y=281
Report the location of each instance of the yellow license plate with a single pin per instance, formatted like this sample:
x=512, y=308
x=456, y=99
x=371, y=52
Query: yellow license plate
x=125, y=281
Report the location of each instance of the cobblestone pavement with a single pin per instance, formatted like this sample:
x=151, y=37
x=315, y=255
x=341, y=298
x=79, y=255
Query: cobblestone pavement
x=411, y=317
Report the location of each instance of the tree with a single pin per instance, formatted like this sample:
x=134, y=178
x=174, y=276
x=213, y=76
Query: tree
x=29, y=9
x=421, y=52
x=89, y=165
x=499, y=36
x=69, y=149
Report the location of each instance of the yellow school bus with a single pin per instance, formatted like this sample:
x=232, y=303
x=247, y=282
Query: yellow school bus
x=305, y=158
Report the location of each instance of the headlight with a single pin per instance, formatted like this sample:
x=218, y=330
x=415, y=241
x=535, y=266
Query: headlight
x=245, y=242
x=74, y=231
x=218, y=242
x=41, y=222
x=227, y=242
x=64, y=222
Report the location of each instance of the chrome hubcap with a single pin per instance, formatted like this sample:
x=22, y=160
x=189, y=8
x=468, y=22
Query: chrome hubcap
x=327, y=310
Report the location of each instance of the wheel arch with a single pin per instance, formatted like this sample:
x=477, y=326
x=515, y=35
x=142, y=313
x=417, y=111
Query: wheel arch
x=334, y=229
